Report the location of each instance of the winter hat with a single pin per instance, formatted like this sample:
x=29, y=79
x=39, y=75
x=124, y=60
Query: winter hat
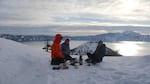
x=100, y=42
x=67, y=40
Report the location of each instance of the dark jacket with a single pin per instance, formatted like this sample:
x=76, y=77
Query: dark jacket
x=65, y=48
x=100, y=51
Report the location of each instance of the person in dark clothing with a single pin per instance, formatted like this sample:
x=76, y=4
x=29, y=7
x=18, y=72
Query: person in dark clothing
x=98, y=55
x=66, y=50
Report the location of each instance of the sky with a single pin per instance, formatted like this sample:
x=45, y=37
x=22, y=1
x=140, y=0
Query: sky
x=41, y=13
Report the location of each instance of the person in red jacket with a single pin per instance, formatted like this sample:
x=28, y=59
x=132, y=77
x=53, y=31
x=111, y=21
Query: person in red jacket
x=57, y=58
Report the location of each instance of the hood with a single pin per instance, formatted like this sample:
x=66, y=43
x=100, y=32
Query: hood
x=58, y=38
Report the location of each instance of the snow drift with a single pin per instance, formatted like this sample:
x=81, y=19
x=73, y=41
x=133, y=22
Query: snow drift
x=20, y=64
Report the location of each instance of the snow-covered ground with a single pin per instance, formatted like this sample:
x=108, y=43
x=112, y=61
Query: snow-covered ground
x=113, y=70
x=20, y=64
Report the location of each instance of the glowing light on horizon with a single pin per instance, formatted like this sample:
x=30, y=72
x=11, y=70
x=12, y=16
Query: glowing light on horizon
x=127, y=48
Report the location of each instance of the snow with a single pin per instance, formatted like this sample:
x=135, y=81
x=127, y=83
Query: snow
x=20, y=64
x=113, y=70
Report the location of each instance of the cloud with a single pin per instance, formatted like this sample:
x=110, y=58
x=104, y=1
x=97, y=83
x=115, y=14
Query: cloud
x=66, y=12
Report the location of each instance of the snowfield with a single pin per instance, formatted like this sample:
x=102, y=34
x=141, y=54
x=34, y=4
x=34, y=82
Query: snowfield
x=21, y=64
x=113, y=70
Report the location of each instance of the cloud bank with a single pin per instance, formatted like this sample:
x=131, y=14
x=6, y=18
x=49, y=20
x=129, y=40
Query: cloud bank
x=75, y=12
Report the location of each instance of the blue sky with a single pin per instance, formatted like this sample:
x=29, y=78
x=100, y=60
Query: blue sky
x=74, y=12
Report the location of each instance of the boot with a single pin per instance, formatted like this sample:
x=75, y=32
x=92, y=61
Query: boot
x=63, y=66
x=56, y=67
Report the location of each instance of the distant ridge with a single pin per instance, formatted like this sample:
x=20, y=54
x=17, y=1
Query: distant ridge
x=108, y=37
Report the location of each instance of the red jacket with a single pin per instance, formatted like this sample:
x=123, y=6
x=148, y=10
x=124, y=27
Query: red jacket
x=56, y=47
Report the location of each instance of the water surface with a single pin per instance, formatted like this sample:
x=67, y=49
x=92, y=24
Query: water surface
x=125, y=48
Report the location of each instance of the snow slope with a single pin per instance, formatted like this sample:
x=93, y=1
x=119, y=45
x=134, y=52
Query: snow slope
x=20, y=64
x=113, y=70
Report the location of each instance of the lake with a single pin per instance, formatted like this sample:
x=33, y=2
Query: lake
x=125, y=48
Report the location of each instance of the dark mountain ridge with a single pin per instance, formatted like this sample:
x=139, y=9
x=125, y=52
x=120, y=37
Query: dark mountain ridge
x=108, y=37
